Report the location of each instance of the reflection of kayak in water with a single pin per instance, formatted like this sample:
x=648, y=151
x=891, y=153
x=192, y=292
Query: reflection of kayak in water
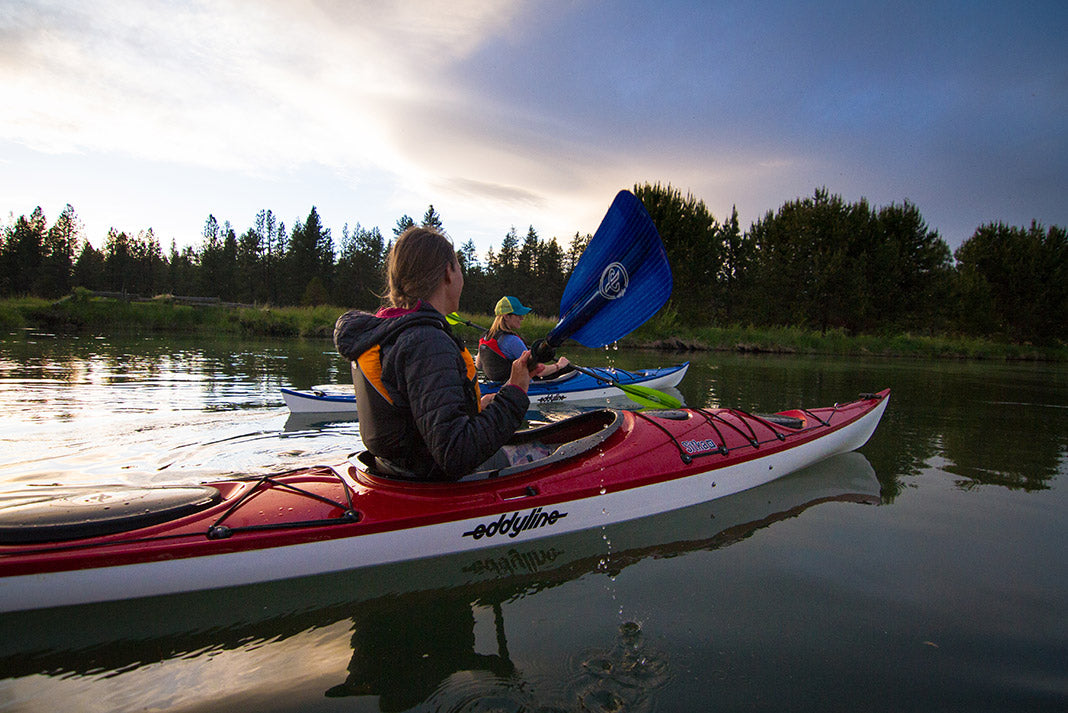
x=587, y=472
x=575, y=386
x=121, y=636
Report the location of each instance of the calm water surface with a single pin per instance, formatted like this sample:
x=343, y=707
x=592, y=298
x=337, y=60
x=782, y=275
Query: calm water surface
x=926, y=573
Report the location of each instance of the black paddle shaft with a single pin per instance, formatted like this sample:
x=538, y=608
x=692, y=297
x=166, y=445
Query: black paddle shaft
x=541, y=352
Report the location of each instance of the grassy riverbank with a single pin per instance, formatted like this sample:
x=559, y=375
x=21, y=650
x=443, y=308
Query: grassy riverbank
x=83, y=314
x=663, y=333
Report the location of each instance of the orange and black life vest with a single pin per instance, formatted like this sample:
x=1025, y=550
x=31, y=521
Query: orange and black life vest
x=387, y=428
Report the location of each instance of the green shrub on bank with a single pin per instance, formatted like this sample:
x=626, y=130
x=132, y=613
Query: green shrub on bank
x=10, y=318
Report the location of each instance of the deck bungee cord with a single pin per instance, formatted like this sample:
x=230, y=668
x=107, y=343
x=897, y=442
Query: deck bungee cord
x=348, y=515
x=218, y=530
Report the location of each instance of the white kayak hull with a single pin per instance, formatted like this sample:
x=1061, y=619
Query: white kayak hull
x=544, y=393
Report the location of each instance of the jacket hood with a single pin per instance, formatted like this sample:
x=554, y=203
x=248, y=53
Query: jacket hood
x=355, y=331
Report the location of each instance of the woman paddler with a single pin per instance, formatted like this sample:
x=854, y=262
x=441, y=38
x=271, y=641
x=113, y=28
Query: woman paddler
x=421, y=414
x=501, y=345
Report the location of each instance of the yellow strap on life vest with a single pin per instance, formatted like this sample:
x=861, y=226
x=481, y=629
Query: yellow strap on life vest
x=471, y=376
x=370, y=363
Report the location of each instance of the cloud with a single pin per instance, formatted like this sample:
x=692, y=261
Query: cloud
x=507, y=113
x=247, y=86
x=493, y=192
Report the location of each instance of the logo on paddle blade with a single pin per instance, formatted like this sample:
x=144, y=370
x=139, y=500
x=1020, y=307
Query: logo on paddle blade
x=614, y=281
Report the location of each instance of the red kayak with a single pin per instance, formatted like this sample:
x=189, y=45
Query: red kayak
x=62, y=546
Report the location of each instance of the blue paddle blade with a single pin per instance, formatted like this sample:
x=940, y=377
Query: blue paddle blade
x=621, y=280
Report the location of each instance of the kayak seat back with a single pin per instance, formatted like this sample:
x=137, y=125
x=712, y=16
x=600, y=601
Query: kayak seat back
x=557, y=378
x=93, y=511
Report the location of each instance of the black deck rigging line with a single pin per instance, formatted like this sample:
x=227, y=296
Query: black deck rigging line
x=712, y=417
x=686, y=457
x=70, y=546
x=762, y=421
x=715, y=415
x=745, y=419
x=817, y=418
x=220, y=531
x=723, y=450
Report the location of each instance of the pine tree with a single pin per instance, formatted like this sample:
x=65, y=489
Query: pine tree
x=528, y=255
x=119, y=263
x=574, y=251
x=21, y=253
x=468, y=257
x=431, y=219
x=310, y=255
x=57, y=259
x=89, y=268
x=211, y=259
x=507, y=263
x=249, y=269
x=359, y=268
x=403, y=223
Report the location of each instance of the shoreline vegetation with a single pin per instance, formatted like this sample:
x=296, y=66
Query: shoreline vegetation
x=831, y=268
x=83, y=313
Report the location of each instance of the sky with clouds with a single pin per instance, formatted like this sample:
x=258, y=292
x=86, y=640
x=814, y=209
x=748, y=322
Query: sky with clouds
x=144, y=113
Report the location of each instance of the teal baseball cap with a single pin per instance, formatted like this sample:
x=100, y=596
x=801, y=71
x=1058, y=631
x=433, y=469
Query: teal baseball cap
x=510, y=305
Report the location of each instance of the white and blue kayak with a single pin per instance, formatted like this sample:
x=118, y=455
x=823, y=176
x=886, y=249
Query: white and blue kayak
x=571, y=388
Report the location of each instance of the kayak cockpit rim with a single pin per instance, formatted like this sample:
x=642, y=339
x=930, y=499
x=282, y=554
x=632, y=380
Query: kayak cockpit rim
x=543, y=381
x=57, y=514
x=565, y=439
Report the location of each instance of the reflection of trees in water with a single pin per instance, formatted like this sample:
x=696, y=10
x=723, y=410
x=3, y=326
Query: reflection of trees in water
x=70, y=358
x=988, y=424
x=985, y=432
x=1016, y=445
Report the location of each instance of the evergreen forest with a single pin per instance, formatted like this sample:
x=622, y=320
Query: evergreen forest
x=817, y=263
